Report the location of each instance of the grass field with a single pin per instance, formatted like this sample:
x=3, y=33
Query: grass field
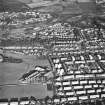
x=9, y=75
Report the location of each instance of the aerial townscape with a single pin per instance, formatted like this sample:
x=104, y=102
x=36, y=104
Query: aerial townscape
x=52, y=52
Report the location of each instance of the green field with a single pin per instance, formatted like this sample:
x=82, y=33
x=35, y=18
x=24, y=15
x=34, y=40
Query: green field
x=10, y=73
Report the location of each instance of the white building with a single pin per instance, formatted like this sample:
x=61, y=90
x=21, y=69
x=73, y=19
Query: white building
x=33, y=75
x=4, y=102
x=14, y=101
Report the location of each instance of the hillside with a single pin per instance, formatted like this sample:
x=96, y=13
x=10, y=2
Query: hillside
x=11, y=5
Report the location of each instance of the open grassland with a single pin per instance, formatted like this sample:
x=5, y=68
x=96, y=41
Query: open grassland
x=37, y=90
x=10, y=73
